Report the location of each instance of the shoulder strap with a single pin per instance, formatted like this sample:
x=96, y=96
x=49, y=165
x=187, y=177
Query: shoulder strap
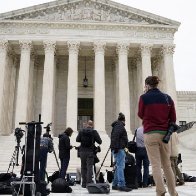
x=134, y=135
x=167, y=99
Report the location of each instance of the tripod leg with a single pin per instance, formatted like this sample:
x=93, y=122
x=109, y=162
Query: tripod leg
x=46, y=176
x=56, y=160
x=102, y=163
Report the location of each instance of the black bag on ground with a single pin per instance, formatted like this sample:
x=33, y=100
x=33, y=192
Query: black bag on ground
x=188, y=178
x=132, y=146
x=54, y=176
x=5, y=183
x=5, y=189
x=130, y=173
x=99, y=188
x=60, y=186
x=151, y=181
x=110, y=176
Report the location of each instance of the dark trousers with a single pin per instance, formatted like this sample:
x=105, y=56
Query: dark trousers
x=43, y=163
x=64, y=166
x=87, y=162
x=142, y=159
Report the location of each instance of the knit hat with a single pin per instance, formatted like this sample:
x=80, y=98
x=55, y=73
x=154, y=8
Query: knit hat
x=121, y=116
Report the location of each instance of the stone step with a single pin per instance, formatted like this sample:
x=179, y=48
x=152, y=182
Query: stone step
x=8, y=144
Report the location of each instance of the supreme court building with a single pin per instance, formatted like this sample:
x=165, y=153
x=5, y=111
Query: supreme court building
x=73, y=60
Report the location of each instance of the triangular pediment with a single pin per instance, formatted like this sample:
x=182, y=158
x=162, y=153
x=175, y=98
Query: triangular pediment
x=87, y=10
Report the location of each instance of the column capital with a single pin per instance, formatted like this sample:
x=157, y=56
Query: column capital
x=4, y=44
x=25, y=45
x=99, y=46
x=167, y=49
x=146, y=49
x=122, y=48
x=73, y=46
x=49, y=46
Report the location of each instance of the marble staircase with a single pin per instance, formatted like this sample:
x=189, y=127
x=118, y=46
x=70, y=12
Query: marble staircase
x=8, y=143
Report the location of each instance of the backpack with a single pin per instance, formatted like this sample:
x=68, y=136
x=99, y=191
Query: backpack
x=54, y=176
x=46, y=142
x=87, y=138
x=60, y=186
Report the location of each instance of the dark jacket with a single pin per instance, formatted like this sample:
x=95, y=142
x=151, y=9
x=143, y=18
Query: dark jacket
x=157, y=110
x=46, y=143
x=96, y=138
x=64, y=145
x=119, y=137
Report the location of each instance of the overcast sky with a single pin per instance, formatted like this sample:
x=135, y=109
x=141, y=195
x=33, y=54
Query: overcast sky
x=183, y=11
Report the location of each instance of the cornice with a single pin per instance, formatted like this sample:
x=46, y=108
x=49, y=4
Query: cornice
x=108, y=6
x=87, y=25
x=109, y=29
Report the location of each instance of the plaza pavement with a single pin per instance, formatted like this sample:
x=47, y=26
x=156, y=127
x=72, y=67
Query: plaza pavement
x=187, y=149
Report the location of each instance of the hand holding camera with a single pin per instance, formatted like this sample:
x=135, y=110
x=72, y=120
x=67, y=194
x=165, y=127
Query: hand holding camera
x=172, y=128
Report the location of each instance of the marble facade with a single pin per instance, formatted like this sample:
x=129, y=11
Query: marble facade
x=44, y=50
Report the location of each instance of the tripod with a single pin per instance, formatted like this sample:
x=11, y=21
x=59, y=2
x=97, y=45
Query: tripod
x=102, y=163
x=14, y=158
x=30, y=172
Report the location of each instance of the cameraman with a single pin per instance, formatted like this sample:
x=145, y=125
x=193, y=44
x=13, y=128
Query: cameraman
x=46, y=145
x=157, y=110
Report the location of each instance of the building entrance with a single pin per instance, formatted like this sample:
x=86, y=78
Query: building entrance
x=85, y=111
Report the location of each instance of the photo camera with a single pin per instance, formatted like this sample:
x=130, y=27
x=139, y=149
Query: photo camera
x=172, y=128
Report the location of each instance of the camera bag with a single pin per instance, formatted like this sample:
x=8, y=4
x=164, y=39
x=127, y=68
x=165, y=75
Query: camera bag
x=99, y=188
x=132, y=146
x=60, y=185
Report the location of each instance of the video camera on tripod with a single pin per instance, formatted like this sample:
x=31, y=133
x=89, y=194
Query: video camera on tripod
x=19, y=134
x=48, y=129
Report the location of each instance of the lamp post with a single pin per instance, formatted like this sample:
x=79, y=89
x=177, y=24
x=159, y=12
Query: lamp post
x=85, y=80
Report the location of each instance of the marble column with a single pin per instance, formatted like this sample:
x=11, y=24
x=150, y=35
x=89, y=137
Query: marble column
x=146, y=62
x=72, y=85
x=168, y=77
x=12, y=61
x=3, y=81
x=48, y=90
x=123, y=82
x=99, y=86
x=133, y=94
x=23, y=83
x=31, y=116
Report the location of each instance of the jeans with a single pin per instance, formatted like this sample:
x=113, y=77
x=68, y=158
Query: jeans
x=142, y=159
x=64, y=166
x=43, y=163
x=119, y=178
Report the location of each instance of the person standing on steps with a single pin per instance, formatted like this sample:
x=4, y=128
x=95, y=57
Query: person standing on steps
x=157, y=111
x=119, y=141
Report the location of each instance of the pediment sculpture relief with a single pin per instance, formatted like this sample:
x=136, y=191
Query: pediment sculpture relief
x=86, y=11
